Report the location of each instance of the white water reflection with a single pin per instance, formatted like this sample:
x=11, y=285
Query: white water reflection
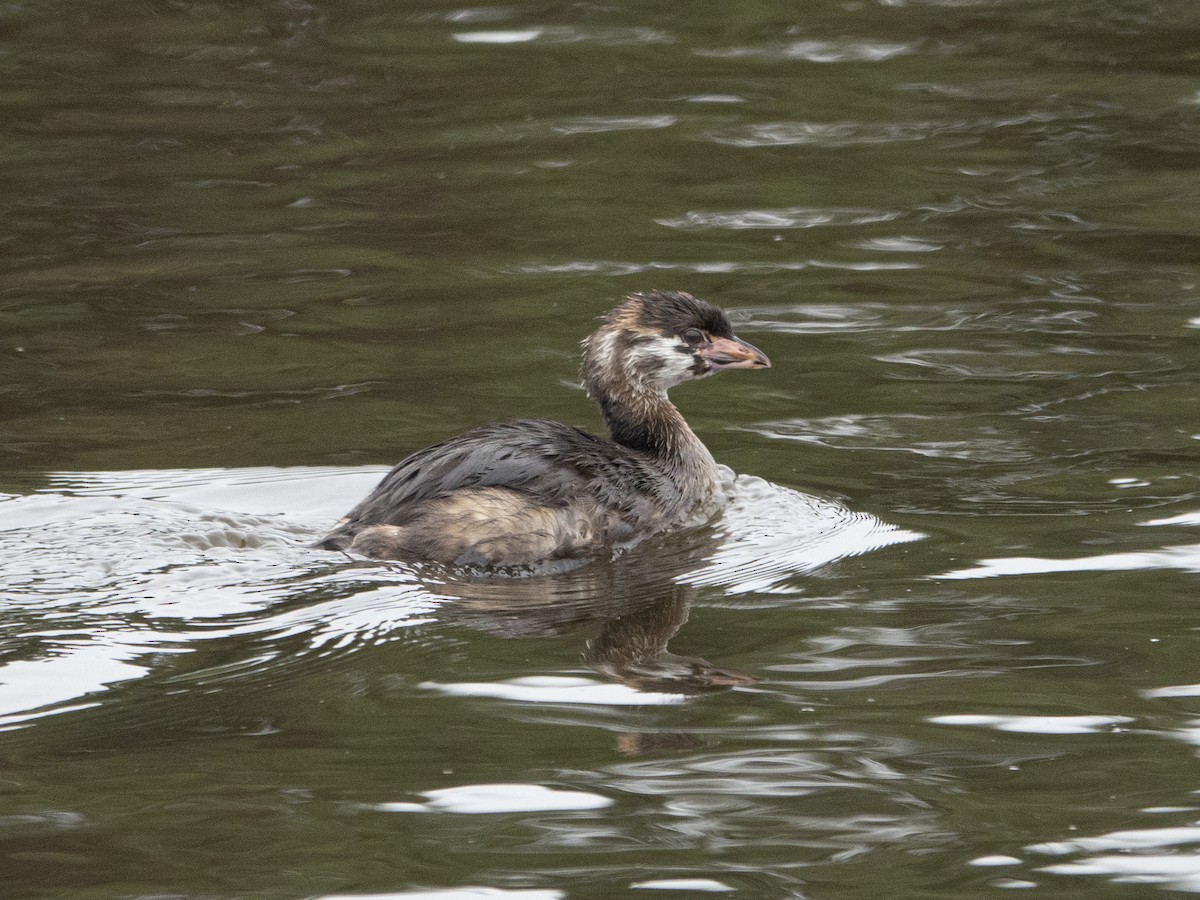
x=815, y=51
x=555, y=689
x=79, y=663
x=832, y=135
x=107, y=574
x=1191, y=518
x=1180, y=873
x=1136, y=839
x=1175, y=690
x=1185, y=558
x=871, y=317
x=771, y=534
x=995, y=860
x=1038, y=724
x=790, y=217
x=611, y=268
x=937, y=437
x=702, y=885
x=608, y=37
x=479, y=799
x=463, y=893
x=1129, y=862
x=601, y=124
x=498, y=37
x=899, y=244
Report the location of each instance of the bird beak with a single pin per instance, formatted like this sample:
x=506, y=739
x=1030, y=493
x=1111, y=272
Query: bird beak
x=732, y=353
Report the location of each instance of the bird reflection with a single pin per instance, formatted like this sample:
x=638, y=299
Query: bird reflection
x=635, y=600
x=632, y=649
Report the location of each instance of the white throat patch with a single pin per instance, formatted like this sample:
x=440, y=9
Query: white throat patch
x=657, y=363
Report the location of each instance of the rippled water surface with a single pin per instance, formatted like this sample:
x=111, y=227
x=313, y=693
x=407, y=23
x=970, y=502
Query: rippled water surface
x=943, y=641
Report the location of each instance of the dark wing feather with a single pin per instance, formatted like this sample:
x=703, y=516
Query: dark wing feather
x=548, y=461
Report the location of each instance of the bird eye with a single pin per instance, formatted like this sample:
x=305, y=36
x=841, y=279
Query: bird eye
x=693, y=336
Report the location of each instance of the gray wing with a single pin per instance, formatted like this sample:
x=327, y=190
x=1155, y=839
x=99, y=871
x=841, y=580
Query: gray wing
x=548, y=461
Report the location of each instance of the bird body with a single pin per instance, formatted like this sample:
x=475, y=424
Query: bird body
x=519, y=494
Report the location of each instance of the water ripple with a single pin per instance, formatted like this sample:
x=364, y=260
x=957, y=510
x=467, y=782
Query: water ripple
x=899, y=318
x=554, y=34
x=1184, y=558
x=1176, y=869
x=790, y=217
x=818, y=134
x=703, y=885
x=770, y=534
x=853, y=133
x=461, y=893
x=815, y=51
x=899, y=244
x=1038, y=724
x=1179, y=872
x=602, y=124
x=918, y=435
x=607, y=268
x=110, y=574
x=1061, y=362
x=552, y=689
x=823, y=803
x=479, y=799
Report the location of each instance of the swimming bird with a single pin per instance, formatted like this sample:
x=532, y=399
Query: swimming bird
x=517, y=495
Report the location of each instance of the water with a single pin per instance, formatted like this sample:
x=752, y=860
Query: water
x=939, y=646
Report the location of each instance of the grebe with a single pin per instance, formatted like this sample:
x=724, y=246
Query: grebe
x=519, y=494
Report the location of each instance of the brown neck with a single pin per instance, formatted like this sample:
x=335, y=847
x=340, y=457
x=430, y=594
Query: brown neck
x=647, y=423
x=639, y=414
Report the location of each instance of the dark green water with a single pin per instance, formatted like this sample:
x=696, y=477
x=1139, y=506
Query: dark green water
x=943, y=644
